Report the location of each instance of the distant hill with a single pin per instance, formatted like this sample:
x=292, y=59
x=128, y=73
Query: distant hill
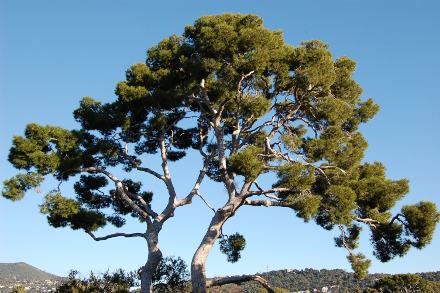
x=23, y=272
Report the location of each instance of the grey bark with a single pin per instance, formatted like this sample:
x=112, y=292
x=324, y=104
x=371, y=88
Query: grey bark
x=198, y=276
x=219, y=281
x=154, y=258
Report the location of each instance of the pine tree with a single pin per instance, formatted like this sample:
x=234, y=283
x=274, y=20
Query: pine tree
x=249, y=104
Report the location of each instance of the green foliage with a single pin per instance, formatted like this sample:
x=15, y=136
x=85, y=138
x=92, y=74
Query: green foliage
x=376, y=194
x=232, y=246
x=247, y=163
x=171, y=276
x=359, y=264
x=306, y=205
x=63, y=211
x=336, y=280
x=296, y=177
x=339, y=203
x=42, y=148
x=14, y=188
x=351, y=237
x=87, y=190
x=420, y=222
x=389, y=242
x=416, y=229
x=404, y=283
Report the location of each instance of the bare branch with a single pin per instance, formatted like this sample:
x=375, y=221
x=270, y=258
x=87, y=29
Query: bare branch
x=120, y=190
x=397, y=217
x=144, y=169
x=219, y=281
x=344, y=242
x=332, y=167
x=145, y=206
x=372, y=223
x=205, y=98
x=202, y=137
x=169, y=209
x=258, y=186
x=229, y=182
x=188, y=199
x=243, y=77
x=267, y=203
x=115, y=235
x=204, y=200
x=272, y=197
x=244, y=192
x=100, y=170
x=267, y=191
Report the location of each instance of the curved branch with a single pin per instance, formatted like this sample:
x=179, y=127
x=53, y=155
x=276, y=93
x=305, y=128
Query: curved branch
x=147, y=209
x=144, y=169
x=100, y=170
x=344, y=242
x=397, y=217
x=219, y=281
x=115, y=235
x=121, y=190
x=188, y=199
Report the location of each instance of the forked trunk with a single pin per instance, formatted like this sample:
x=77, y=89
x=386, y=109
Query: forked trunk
x=154, y=258
x=198, y=276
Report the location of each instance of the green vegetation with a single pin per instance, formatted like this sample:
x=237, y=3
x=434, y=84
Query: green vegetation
x=171, y=276
x=309, y=279
x=232, y=246
x=117, y=282
x=404, y=283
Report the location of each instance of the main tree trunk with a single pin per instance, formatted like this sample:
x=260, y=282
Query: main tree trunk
x=198, y=276
x=154, y=258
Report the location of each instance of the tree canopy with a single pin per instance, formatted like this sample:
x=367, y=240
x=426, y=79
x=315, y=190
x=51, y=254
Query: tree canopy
x=249, y=104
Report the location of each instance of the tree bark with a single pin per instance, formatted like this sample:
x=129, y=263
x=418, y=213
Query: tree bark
x=198, y=276
x=219, y=281
x=154, y=258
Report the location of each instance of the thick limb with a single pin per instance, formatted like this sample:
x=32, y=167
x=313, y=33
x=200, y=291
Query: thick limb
x=198, y=276
x=219, y=281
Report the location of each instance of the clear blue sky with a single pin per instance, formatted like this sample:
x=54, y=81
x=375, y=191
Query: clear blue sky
x=53, y=53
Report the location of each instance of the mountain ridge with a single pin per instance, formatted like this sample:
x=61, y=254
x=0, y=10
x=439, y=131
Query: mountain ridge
x=21, y=271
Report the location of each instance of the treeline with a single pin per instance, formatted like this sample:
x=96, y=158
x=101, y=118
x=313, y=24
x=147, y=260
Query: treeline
x=309, y=279
x=173, y=276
